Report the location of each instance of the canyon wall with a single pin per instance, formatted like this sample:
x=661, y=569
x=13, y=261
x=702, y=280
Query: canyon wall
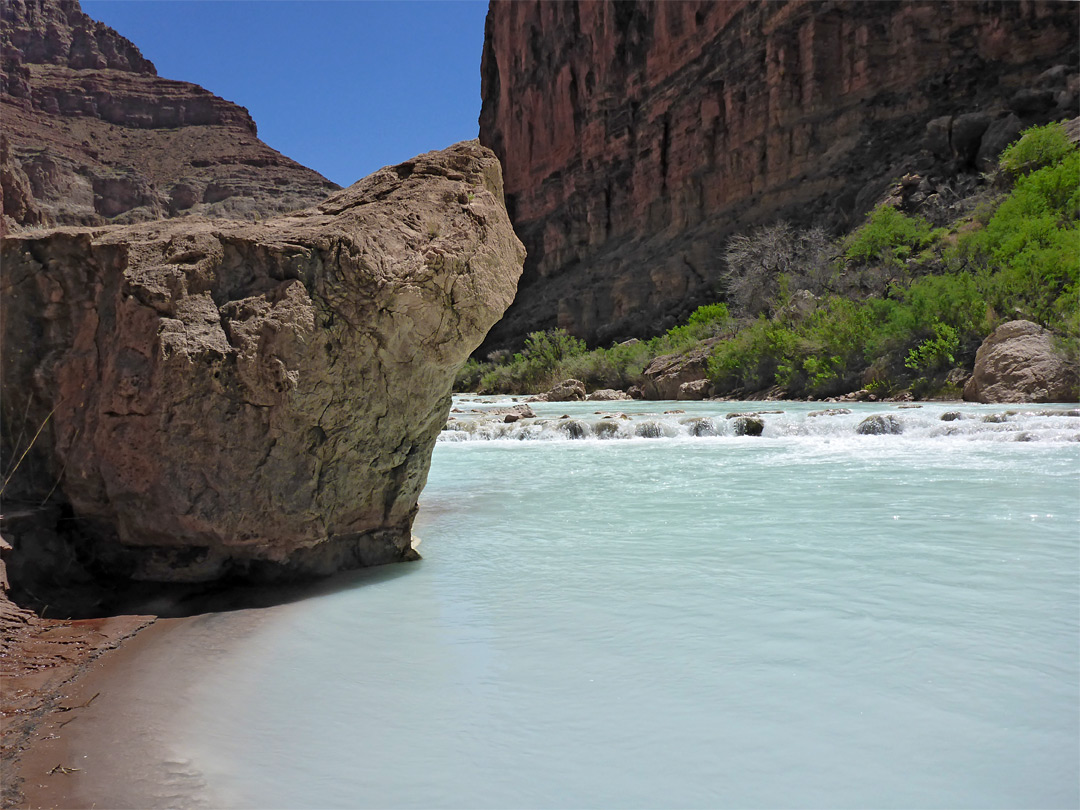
x=636, y=137
x=92, y=135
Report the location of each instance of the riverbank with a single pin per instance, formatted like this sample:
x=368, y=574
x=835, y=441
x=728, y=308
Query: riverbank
x=93, y=709
x=46, y=666
x=105, y=736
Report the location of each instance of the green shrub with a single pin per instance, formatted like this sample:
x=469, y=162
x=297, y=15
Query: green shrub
x=468, y=378
x=1028, y=255
x=937, y=353
x=705, y=322
x=1037, y=147
x=888, y=232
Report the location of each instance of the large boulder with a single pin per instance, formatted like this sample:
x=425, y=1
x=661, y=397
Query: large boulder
x=223, y=398
x=665, y=375
x=1019, y=362
x=607, y=395
x=566, y=391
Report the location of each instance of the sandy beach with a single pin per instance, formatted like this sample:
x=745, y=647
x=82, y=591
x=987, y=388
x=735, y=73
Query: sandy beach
x=45, y=668
x=91, y=726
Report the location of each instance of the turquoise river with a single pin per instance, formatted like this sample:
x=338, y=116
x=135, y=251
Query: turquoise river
x=624, y=607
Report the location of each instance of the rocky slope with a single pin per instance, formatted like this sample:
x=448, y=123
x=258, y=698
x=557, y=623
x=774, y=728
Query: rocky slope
x=91, y=134
x=211, y=398
x=637, y=137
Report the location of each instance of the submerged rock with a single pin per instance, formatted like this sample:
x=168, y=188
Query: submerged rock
x=574, y=428
x=748, y=426
x=220, y=398
x=649, y=430
x=1019, y=362
x=700, y=426
x=879, y=424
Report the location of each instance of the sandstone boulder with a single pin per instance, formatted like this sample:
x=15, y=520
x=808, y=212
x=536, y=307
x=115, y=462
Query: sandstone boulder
x=223, y=398
x=666, y=374
x=1019, y=362
x=695, y=389
x=607, y=395
x=566, y=391
x=998, y=135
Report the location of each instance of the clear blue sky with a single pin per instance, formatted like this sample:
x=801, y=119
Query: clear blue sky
x=344, y=87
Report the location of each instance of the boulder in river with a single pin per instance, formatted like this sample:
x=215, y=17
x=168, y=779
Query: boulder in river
x=1019, y=362
x=748, y=426
x=566, y=391
x=607, y=395
x=217, y=398
x=879, y=424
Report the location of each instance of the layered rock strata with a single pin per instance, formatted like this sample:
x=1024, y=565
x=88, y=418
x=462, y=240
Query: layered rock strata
x=637, y=136
x=92, y=135
x=217, y=398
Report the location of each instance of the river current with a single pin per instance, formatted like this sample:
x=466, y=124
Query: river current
x=652, y=611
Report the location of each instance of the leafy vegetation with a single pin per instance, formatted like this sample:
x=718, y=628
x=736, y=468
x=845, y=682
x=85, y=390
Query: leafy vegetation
x=895, y=304
x=888, y=235
x=1037, y=147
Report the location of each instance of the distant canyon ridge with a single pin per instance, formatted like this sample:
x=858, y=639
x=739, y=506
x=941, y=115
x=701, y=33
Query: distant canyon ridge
x=637, y=137
x=93, y=136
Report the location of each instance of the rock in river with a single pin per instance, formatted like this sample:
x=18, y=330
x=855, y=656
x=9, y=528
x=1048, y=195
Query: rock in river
x=220, y=398
x=1019, y=362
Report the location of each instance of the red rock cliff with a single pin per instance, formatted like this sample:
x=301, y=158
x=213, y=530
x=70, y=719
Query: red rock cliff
x=91, y=133
x=636, y=137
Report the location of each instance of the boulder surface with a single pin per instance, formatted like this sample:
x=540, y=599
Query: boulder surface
x=218, y=398
x=1019, y=362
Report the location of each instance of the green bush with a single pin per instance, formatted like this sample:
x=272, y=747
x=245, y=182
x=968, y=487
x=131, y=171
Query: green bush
x=1037, y=147
x=468, y=378
x=1028, y=255
x=888, y=232
x=937, y=353
x=705, y=322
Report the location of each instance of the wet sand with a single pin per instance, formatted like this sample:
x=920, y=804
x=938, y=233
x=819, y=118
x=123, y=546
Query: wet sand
x=107, y=742
x=41, y=663
x=93, y=710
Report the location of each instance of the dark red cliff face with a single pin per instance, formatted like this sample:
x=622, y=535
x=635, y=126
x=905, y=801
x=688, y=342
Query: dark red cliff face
x=92, y=135
x=637, y=137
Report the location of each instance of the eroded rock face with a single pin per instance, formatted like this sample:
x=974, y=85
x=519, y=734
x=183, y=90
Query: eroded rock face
x=637, y=137
x=666, y=375
x=229, y=398
x=95, y=136
x=1019, y=362
x=607, y=395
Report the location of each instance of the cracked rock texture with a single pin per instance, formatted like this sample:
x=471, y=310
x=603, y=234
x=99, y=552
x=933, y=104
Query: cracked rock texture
x=220, y=398
x=92, y=135
x=636, y=137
